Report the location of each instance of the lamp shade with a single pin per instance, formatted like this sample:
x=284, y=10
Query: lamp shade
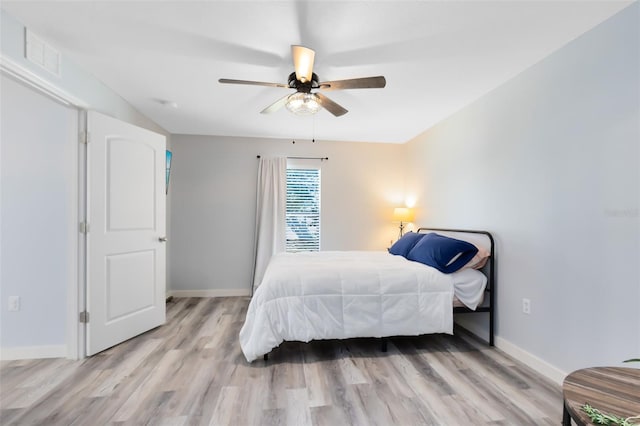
x=402, y=214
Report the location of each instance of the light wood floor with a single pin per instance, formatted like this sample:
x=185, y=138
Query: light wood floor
x=191, y=371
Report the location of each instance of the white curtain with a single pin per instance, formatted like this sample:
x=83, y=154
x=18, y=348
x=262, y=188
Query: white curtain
x=270, y=213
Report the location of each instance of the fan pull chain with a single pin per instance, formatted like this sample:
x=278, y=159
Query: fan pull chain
x=313, y=135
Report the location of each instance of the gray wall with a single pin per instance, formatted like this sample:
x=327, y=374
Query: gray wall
x=213, y=190
x=549, y=162
x=37, y=165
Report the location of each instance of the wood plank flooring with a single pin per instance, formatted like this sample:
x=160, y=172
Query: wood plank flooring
x=191, y=372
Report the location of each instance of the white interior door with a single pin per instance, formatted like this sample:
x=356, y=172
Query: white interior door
x=127, y=222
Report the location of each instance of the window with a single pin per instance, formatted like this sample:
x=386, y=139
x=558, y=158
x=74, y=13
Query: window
x=303, y=209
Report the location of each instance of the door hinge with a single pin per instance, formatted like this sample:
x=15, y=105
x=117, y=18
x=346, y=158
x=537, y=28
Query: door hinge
x=84, y=227
x=84, y=317
x=85, y=137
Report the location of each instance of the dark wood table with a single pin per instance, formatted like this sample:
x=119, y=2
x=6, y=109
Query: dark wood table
x=612, y=390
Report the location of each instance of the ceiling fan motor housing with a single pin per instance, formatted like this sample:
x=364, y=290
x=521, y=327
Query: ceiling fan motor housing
x=303, y=87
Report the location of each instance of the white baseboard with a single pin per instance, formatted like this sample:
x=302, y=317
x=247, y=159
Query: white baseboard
x=33, y=352
x=224, y=292
x=540, y=366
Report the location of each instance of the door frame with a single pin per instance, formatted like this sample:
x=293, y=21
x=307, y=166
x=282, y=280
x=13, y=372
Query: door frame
x=76, y=302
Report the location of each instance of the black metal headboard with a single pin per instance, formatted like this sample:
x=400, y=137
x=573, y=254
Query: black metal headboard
x=481, y=238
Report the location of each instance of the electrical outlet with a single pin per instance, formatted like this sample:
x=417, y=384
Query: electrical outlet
x=14, y=303
x=526, y=306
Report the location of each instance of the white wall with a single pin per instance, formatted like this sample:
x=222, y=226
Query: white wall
x=213, y=195
x=549, y=162
x=38, y=214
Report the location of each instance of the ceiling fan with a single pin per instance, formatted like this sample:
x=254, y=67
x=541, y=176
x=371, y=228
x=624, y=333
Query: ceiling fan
x=304, y=80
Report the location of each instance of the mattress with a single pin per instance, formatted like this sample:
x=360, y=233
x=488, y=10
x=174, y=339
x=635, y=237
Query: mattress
x=339, y=295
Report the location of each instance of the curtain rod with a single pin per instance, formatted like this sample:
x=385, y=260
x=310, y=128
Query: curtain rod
x=306, y=158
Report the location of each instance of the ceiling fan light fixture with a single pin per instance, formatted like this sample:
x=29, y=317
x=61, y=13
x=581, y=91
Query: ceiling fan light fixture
x=303, y=58
x=301, y=103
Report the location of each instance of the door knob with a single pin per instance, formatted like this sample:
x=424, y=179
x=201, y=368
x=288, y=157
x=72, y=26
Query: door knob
x=162, y=239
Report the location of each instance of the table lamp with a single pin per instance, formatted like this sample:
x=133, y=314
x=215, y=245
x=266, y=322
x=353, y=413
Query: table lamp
x=402, y=215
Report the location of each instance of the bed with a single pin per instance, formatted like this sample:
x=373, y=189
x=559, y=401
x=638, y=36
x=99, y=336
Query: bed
x=346, y=294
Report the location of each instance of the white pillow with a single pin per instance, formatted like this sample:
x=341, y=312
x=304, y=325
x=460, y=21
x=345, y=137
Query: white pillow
x=479, y=260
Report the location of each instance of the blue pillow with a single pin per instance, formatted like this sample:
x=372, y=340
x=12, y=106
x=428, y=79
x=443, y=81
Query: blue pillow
x=405, y=244
x=443, y=253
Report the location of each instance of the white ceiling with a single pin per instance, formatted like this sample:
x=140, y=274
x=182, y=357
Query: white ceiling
x=437, y=56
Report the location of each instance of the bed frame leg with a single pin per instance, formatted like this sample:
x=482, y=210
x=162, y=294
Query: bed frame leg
x=383, y=346
x=265, y=357
x=491, y=324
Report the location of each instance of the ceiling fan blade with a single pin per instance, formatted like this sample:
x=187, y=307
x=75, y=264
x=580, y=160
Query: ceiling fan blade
x=355, y=83
x=252, y=83
x=303, y=62
x=275, y=106
x=330, y=106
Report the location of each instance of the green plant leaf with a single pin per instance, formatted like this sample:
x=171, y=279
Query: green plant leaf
x=600, y=418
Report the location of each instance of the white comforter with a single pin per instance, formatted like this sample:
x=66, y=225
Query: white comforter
x=339, y=295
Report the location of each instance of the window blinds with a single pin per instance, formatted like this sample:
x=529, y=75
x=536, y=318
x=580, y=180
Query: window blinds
x=303, y=210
